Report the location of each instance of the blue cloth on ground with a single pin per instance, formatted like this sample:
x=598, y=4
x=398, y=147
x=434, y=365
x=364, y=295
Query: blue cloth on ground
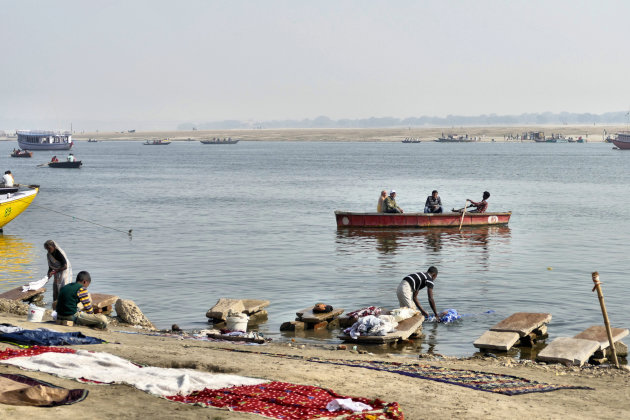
x=46, y=337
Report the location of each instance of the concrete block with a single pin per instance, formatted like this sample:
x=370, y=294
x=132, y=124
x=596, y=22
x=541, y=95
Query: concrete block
x=292, y=326
x=598, y=333
x=254, y=305
x=320, y=325
x=257, y=317
x=333, y=325
x=223, y=306
x=496, y=340
x=571, y=351
x=64, y=322
x=522, y=322
x=541, y=331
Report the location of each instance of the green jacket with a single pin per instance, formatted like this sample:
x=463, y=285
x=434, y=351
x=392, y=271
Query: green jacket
x=389, y=206
x=68, y=299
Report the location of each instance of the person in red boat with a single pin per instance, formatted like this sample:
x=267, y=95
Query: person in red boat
x=480, y=206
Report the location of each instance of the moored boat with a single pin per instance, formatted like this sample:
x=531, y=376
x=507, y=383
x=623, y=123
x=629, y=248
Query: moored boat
x=14, y=201
x=44, y=140
x=622, y=141
x=21, y=154
x=454, y=138
x=219, y=141
x=73, y=164
x=346, y=219
x=156, y=142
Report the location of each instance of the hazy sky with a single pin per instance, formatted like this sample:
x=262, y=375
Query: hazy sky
x=159, y=63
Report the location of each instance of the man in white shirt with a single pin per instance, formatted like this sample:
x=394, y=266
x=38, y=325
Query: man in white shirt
x=7, y=179
x=70, y=157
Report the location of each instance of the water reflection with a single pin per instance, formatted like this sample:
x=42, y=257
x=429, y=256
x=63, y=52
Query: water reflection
x=16, y=260
x=391, y=241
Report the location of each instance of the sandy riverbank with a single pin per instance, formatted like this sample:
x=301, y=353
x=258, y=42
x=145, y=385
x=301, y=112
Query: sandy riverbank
x=499, y=134
x=418, y=398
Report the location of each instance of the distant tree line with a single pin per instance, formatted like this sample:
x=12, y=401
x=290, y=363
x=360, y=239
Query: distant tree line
x=450, y=120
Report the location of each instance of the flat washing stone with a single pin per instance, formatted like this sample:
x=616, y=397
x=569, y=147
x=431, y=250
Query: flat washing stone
x=496, y=340
x=522, y=322
x=598, y=333
x=573, y=351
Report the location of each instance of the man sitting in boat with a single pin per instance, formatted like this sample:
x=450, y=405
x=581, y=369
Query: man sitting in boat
x=479, y=206
x=71, y=158
x=409, y=287
x=433, y=203
x=7, y=179
x=389, y=205
x=381, y=200
x=54, y=159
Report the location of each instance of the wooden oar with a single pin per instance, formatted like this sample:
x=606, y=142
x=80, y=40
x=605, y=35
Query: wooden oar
x=463, y=213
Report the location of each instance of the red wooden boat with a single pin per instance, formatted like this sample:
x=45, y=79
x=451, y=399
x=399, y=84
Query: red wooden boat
x=419, y=220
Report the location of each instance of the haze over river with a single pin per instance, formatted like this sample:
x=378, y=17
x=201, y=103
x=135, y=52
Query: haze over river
x=255, y=220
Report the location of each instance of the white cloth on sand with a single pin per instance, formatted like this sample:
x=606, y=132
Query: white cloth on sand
x=37, y=284
x=371, y=325
x=347, y=404
x=107, y=368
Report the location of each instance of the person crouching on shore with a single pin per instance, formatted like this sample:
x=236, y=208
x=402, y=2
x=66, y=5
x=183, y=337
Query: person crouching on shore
x=74, y=294
x=409, y=287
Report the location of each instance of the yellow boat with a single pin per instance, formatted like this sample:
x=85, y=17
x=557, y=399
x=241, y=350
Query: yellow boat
x=14, y=201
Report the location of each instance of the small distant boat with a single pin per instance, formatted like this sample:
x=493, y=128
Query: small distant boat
x=22, y=154
x=622, y=141
x=410, y=140
x=75, y=164
x=347, y=219
x=219, y=141
x=14, y=201
x=454, y=138
x=92, y=141
x=44, y=140
x=156, y=142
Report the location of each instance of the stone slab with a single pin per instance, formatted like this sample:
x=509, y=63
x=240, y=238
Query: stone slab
x=572, y=351
x=102, y=301
x=19, y=295
x=307, y=315
x=223, y=306
x=403, y=331
x=496, y=340
x=254, y=305
x=598, y=333
x=522, y=322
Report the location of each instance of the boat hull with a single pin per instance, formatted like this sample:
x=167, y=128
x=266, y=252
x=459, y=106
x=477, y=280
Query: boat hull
x=11, y=205
x=75, y=164
x=24, y=154
x=419, y=220
x=218, y=142
x=623, y=145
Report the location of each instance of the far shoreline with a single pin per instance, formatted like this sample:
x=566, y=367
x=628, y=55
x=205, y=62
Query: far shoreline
x=590, y=133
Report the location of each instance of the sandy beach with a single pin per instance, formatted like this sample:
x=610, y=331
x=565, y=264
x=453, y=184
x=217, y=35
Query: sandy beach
x=418, y=398
x=498, y=133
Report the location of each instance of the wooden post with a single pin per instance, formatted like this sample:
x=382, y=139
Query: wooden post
x=595, y=276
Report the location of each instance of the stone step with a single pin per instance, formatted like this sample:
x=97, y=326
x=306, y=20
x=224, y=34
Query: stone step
x=598, y=333
x=569, y=351
x=522, y=323
x=495, y=340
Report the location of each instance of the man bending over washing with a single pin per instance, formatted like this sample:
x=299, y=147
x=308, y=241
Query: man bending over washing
x=410, y=286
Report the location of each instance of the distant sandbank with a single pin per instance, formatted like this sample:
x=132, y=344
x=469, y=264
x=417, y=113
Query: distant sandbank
x=591, y=133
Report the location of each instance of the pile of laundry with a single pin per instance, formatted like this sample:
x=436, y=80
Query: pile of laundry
x=378, y=325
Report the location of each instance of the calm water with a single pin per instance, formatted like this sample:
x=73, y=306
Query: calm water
x=255, y=220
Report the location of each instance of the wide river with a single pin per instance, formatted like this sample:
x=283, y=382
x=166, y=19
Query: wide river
x=255, y=220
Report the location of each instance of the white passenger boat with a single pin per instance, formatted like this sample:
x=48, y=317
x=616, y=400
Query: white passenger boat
x=44, y=140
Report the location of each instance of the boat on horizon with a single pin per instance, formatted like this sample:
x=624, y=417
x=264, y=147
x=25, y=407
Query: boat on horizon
x=346, y=219
x=412, y=140
x=622, y=140
x=44, y=140
x=14, y=201
x=219, y=141
x=157, y=142
x=454, y=138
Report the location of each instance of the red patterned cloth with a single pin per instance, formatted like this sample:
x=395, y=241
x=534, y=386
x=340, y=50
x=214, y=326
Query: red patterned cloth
x=33, y=351
x=370, y=310
x=282, y=400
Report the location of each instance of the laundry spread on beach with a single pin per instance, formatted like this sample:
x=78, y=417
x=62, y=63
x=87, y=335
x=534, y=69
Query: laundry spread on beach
x=25, y=391
x=237, y=393
x=480, y=381
x=46, y=337
x=281, y=400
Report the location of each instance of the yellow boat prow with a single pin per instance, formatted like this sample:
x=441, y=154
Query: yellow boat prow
x=11, y=205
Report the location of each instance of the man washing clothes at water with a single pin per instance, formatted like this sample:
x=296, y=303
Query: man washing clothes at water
x=410, y=286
